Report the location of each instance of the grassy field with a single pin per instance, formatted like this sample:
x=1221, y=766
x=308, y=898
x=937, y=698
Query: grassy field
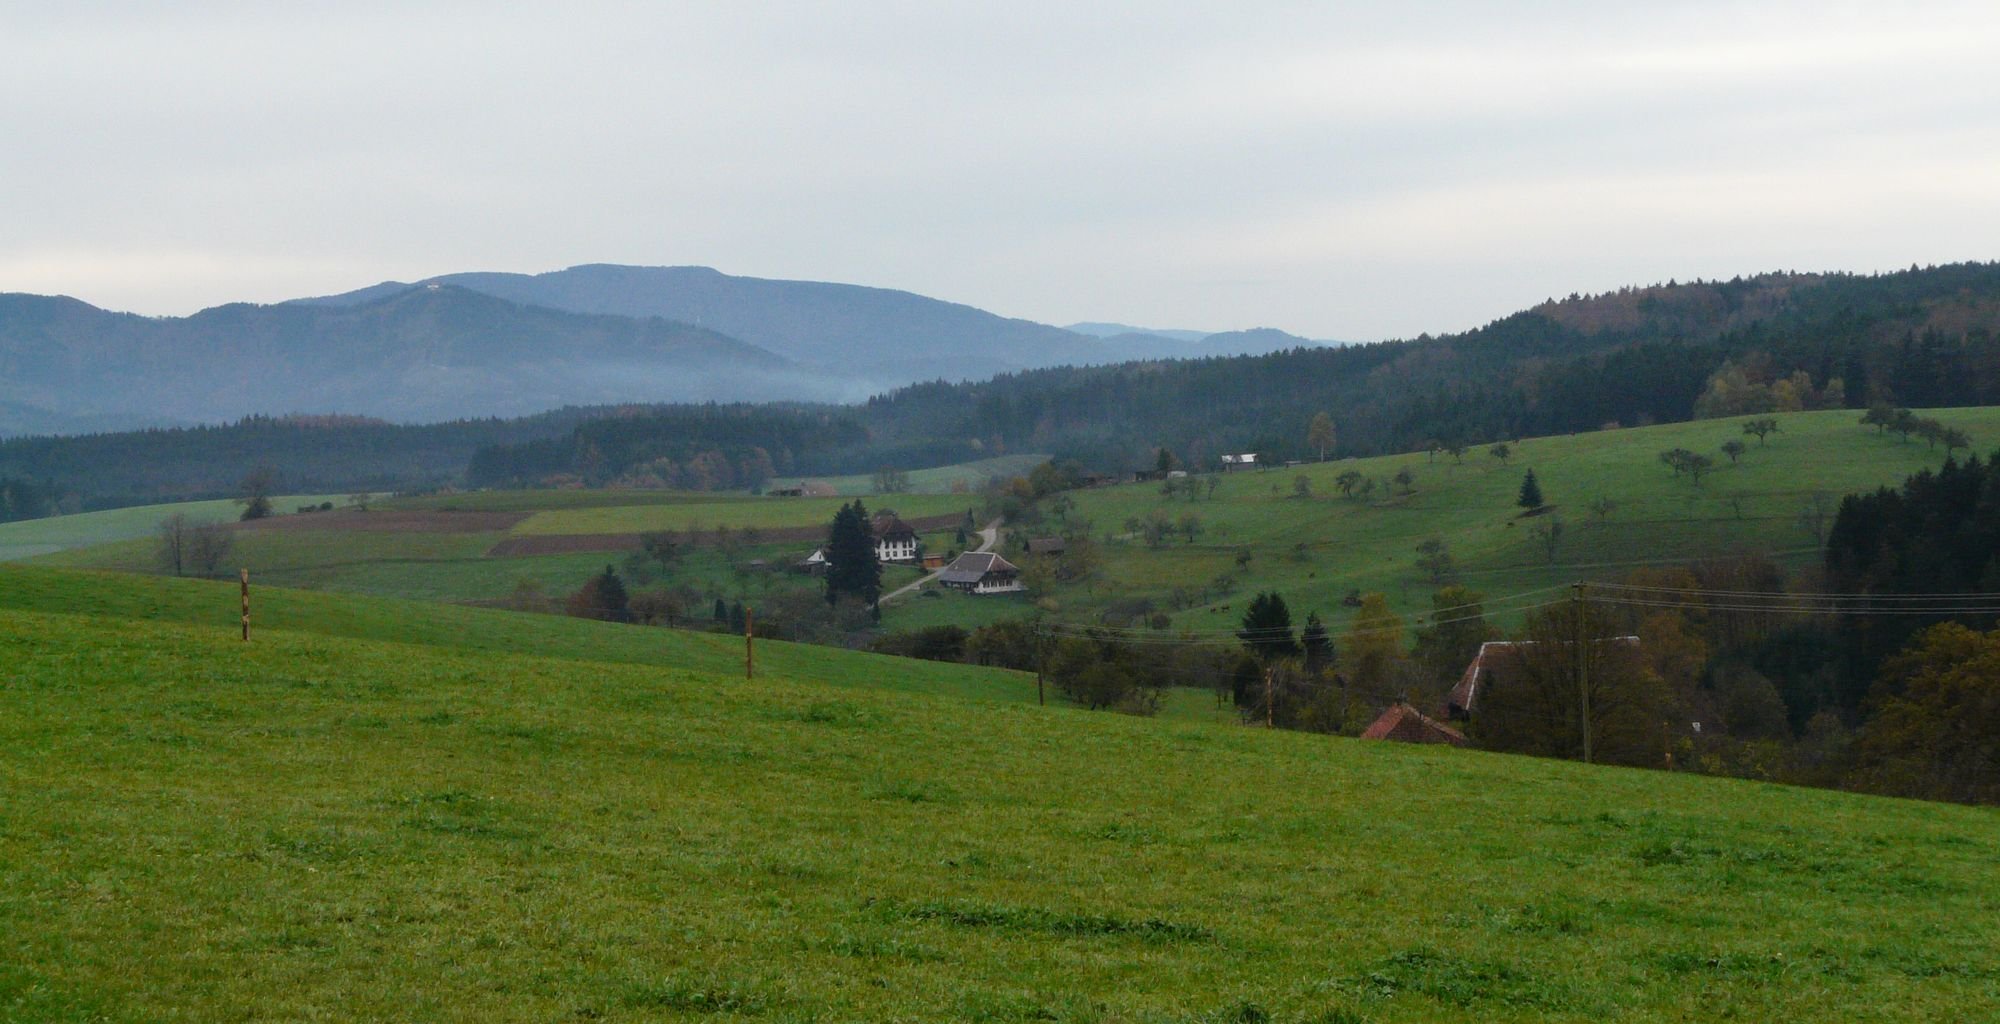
x=32, y=537
x=970, y=476
x=1316, y=549
x=212, y=605
x=314, y=827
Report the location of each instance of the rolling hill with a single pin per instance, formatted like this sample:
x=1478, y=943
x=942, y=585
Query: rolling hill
x=1317, y=547
x=350, y=817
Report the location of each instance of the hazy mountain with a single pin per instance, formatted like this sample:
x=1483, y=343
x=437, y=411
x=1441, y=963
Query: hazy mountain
x=1100, y=329
x=409, y=354
x=876, y=336
x=1254, y=342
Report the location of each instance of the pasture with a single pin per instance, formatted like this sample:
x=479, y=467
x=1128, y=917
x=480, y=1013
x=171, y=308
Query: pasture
x=319, y=826
x=1318, y=547
x=31, y=537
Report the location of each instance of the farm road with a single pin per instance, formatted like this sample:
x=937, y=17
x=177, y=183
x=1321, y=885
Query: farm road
x=988, y=536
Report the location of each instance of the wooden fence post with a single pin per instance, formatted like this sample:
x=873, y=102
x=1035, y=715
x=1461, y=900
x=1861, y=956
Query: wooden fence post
x=749, y=644
x=244, y=576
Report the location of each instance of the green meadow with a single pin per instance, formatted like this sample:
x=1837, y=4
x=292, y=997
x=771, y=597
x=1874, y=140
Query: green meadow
x=378, y=810
x=1317, y=548
x=31, y=537
x=212, y=605
x=965, y=476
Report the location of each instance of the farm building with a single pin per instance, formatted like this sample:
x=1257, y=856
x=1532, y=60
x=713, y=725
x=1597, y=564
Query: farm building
x=806, y=489
x=1047, y=546
x=1405, y=724
x=1499, y=663
x=895, y=540
x=981, y=572
x=813, y=564
x=1245, y=460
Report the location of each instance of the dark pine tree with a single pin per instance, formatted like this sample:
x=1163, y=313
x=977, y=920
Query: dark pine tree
x=1267, y=629
x=1318, y=645
x=851, y=566
x=602, y=597
x=1531, y=493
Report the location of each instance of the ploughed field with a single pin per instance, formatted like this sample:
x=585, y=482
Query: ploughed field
x=378, y=810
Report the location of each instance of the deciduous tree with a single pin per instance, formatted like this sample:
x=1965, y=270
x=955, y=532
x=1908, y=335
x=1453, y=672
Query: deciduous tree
x=1320, y=434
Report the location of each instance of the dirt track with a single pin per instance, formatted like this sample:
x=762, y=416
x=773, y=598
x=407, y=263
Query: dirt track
x=578, y=543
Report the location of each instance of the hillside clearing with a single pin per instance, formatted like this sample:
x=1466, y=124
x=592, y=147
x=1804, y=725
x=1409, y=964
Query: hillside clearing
x=309, y=826
x=1317, y=548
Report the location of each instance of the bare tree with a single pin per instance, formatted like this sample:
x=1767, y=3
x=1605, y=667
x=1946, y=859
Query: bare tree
x=1815, y=514
x=209, y=547
x=171, y=546
x=1548, y=533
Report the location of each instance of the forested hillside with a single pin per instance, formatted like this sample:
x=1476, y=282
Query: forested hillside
x=43, y=475
x=1928, y=337
x=1778, y=342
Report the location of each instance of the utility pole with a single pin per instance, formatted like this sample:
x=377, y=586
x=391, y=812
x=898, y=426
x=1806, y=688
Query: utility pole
x=1268, y=722
x=244, y=576
x=1582, y=671
x=1041, y=656
x=749, y=645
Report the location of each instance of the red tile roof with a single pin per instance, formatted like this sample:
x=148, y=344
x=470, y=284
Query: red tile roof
x=1406, y=724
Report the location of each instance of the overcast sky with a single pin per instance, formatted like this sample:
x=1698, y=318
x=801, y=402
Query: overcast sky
x=1338, y=170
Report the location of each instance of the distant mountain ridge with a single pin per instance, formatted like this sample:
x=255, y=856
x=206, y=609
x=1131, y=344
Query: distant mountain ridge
x=879, y=336
x=480, y=344
x=426, y=353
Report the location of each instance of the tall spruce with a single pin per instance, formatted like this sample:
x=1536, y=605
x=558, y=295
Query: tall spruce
x=852, y=568
x=1267, y=629
x=1531, y=493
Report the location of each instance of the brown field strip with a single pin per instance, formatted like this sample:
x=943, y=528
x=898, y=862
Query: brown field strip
x=391, y=522
x=579, y=543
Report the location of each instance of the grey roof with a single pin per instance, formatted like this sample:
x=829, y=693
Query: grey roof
x=973, y=566
x=888, y=525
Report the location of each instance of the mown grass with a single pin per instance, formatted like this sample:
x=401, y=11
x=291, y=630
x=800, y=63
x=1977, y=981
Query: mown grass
x=1316, y=549
x=314, y=827
x=31, y=537
x=971, y=476
x=213, y=604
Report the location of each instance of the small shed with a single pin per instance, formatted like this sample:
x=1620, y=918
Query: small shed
x=1047, y=546
x=813, y=564
x=1244, y=460
x=806, y=489
x=1405, y=724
